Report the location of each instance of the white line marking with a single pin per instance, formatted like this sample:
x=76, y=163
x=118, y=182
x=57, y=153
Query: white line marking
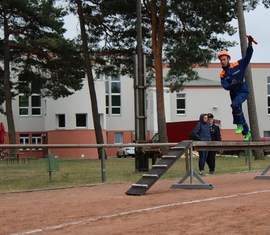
x=94, y=219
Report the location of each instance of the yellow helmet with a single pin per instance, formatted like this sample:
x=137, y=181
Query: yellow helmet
x=222, y=53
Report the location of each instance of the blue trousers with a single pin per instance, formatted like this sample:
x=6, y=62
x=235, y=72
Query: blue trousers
x=238, y=98
x=202, y=159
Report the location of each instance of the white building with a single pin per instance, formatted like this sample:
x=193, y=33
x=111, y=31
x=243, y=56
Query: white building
x=69, y=120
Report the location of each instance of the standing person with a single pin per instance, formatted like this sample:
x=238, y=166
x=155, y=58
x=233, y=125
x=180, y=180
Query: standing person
x=232, y=79
x=215, y=136
x=202, y=133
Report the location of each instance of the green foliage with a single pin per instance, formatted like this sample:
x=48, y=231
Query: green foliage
x=191, y=35
x=41, y=58
x=193, y=32
x=250, y=5
x=111, y=27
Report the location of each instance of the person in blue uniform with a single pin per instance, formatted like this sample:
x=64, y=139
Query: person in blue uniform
x=232, y=80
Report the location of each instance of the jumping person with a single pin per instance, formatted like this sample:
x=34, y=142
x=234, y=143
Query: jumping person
x=215, y=136
x=232, y=79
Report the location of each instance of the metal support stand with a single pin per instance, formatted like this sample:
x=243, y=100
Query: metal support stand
x=103, y=173
x=248, y=155
x=191, y=174
x=249, y=159
x=263, y=175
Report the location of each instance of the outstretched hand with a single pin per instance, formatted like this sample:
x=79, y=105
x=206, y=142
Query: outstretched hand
x=250, y=39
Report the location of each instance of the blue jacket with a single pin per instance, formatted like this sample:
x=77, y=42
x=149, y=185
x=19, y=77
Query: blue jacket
x=202, y=130
x=232, y=76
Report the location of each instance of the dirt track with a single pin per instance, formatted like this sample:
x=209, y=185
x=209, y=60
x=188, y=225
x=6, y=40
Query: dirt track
x=237, y=205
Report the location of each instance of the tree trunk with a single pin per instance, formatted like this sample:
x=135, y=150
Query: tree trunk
x=252, y=112
x=88, y=66
x=161, y=118
x=7, y=87
x=157, y=46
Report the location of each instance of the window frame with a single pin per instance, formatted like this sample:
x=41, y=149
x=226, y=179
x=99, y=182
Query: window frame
x=36, y=136
x=24, y=107
x=76, y=117
x=266, y=133
x=30, y=106
x=112, y=92
x=181, y=96
x=58, y=120
x=121, y=135
x=24, y=137
x=35, y=107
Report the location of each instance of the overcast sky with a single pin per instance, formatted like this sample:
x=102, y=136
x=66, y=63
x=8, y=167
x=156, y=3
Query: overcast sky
x=256, y=25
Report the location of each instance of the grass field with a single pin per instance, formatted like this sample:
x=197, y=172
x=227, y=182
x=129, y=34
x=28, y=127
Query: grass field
x=77, y=172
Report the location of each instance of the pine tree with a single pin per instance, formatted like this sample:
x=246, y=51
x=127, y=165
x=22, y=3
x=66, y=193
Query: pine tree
x=36, y=53
x=180, y=33
x=252, y=111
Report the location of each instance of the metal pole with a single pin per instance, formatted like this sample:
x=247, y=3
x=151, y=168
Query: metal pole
x=248, y=154
x=191, y=166
x=187, y=160
x=103, y=175
x=249, y=159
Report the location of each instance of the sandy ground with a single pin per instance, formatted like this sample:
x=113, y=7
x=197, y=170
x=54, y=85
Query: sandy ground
x=238, y=204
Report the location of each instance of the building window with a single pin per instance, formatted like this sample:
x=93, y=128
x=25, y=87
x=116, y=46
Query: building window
x=118, y=138
x=37, y=139
x=36, y=104
x=23, y=105
x=116, y=102
x=180, y=104
x=268, y=94
x=266, y=134
x=28, y=102
x=24, y=139
x=113, y=95
x=81, y=120
x=61, y=120
x=107, y=91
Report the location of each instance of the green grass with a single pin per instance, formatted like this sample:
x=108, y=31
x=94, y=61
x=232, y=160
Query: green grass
x=32, y=176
